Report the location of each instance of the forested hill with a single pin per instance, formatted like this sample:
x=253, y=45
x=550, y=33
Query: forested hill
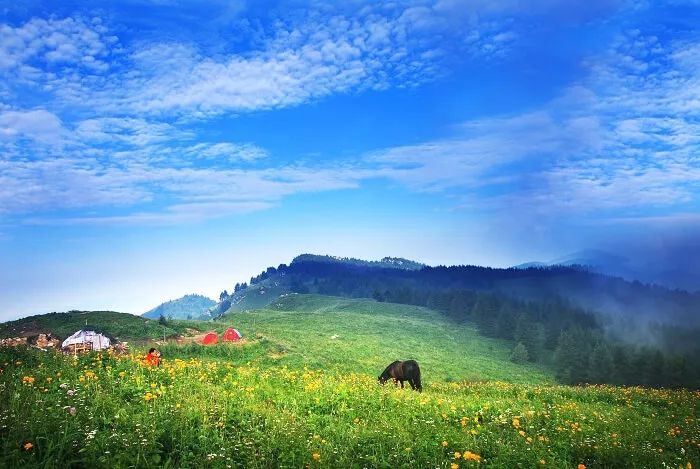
x=612, y=296
x=589, y=327
x=187, y=307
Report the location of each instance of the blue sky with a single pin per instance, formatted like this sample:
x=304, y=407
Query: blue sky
x=159, y=148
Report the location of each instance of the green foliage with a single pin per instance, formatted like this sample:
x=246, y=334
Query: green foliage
x=519, y=354
x=122, y=326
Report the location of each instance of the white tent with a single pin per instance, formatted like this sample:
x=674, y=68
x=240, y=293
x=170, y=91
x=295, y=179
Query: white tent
x=82, y=337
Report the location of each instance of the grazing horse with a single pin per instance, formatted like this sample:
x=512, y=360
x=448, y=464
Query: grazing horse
x=403, y=371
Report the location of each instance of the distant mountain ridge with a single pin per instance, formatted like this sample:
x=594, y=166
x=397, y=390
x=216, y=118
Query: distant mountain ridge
x=188, y=307
x=614, y=299
x=384, y=263
x=607, y=263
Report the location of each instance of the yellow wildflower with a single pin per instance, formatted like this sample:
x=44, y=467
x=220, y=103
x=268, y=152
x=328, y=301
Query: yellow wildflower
x=469, y=456
x=316, y=456
x=444, y=444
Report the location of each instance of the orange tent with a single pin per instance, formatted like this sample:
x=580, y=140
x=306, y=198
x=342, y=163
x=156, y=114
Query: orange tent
x=210, y=339
x=232, y=335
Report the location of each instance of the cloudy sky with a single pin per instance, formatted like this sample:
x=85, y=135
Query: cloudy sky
x=162, y=147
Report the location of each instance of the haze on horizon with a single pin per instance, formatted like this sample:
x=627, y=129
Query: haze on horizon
x=157, y=148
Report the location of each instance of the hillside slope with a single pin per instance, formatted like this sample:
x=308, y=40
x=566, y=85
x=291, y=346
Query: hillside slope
x=121, y=326
x=609, y=296
x=364, y=336
x=187, y=307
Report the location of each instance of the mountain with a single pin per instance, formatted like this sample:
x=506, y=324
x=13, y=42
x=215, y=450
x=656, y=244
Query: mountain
x=384, y=263
x=570, y=279
x=187, y=307
x=558, y=295
x=607, y=263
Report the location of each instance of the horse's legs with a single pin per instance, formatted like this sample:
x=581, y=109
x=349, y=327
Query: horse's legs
x=412, y=383
x=401, y=384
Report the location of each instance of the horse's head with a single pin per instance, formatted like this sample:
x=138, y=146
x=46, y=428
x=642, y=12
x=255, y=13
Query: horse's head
x=383, y=378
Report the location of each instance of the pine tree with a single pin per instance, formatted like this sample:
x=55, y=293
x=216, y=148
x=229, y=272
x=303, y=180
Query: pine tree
x=601, y=365
x=519, y=354
x=565, y=358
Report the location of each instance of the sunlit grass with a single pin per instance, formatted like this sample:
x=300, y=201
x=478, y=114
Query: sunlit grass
x=101, y=410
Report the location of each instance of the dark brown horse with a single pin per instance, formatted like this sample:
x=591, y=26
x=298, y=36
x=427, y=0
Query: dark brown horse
x=403, y=371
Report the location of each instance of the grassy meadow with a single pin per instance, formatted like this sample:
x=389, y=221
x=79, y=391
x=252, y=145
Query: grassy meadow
x=301, y=391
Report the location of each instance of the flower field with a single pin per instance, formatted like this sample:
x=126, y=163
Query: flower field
x=100, y=410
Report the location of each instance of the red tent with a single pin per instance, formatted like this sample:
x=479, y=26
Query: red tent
x=232, y=334
x=210, y=338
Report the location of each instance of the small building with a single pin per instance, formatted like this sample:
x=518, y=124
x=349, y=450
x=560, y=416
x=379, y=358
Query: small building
x=85, y=340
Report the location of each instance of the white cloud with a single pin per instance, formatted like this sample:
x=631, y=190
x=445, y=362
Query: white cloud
x=228, y=151
x=40, y=125
x=300, y=58
x=54, y=43
x=131, y=131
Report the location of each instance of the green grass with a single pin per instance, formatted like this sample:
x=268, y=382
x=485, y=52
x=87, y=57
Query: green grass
x=370, y=335
x=291, y=396
x=257, y=296
x=105, y=411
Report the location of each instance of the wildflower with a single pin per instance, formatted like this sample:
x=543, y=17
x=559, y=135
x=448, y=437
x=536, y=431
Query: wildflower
x=408, y=450
x=516, y=422
x=28, y=446
x=28, y=380
x=122, y=374
x=469, y=456
x=454, y=466
x=581, y=466
x=522, y=433
x=316, y=457
x=147, y=397
x=177, y=406
x=444, y=444
x=542, y=462
x=72, y=411
x=458, y=455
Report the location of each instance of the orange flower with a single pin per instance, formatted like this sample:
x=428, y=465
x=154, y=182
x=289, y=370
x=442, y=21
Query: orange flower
x=28, y=446
x=469, y=456
x=581, y=466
